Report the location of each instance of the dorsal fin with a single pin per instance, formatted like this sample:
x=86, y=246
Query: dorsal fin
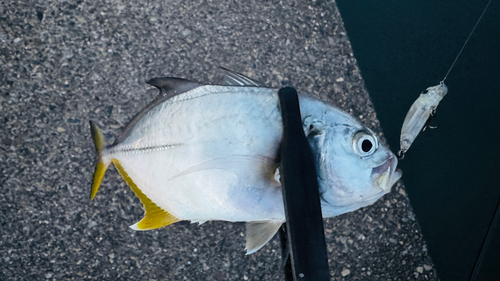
x=232, y=78
x=169, y=87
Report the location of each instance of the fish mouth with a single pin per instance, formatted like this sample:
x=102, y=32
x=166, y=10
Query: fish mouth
x=386, y=175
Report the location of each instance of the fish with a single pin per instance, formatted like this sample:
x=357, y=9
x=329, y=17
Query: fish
x=211, y=152
x=419, y=115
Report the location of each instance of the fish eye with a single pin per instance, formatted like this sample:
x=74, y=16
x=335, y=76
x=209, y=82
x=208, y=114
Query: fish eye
x=425, y=91
x=364, y=144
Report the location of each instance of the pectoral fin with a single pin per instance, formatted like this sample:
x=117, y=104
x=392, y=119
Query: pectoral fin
x=247, y=167
x=259, y=233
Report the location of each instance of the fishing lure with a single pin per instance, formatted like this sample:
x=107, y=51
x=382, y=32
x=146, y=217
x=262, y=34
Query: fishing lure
x=424, y=108
x=419, y=116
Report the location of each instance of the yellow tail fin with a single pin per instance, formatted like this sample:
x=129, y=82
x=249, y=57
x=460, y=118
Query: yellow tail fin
x=101, y=167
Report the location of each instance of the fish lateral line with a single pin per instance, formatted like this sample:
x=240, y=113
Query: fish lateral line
x=147, y=149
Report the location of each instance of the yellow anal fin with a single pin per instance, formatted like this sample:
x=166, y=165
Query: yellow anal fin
x=155, y=216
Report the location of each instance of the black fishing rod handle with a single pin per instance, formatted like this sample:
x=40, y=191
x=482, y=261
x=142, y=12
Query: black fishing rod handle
x=304, y=221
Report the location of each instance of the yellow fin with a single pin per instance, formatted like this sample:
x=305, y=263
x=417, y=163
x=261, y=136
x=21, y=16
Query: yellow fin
x=155, y=216
x=101, y=167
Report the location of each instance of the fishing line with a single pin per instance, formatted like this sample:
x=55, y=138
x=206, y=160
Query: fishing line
x=496, y=216
x=466, y=41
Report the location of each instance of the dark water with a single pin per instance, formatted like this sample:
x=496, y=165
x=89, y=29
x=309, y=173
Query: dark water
x=452, y=173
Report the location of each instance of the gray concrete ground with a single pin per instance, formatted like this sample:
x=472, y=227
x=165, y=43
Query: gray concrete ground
x=64, y=63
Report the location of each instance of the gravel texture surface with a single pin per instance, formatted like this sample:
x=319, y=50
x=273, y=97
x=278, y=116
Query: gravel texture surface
x=63, y=63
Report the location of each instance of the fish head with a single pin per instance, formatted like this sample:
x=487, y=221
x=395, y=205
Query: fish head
x=354, y=170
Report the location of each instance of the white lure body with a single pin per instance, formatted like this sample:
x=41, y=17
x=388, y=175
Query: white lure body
x=419, y=114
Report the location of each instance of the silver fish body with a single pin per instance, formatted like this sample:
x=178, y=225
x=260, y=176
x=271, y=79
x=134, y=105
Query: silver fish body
x=200, y=155
x=211, y=153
